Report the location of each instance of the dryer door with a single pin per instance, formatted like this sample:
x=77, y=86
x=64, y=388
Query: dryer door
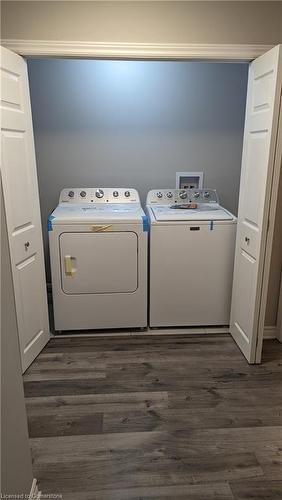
x=99, y=262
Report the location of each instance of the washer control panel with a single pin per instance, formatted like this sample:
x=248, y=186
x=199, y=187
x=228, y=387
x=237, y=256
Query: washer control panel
x=99, y=195
x=171, y=196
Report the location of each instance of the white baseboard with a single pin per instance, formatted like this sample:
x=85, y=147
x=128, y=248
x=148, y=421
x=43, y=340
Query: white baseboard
x=270, y=332
x=147, y=332
x=35, y=494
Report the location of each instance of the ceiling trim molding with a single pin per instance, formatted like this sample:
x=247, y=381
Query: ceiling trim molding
x=117, y=50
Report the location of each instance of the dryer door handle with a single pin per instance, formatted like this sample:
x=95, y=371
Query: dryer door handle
x=100, y=227
x=69, y=269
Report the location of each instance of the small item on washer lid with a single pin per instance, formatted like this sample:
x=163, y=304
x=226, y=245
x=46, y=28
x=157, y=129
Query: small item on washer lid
x=185, y=206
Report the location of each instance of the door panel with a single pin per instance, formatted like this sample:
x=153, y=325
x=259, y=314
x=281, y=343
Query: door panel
x=32, y=313
x=15, y=154
x=105, y=262
x=10, y=89
x=256, y=176
x=245, y=292
x=256, y=189
x=21, y=198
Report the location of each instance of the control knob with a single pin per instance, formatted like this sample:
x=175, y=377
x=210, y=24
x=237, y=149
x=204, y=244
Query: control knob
x=115, y=194
x=206, y=194
x=197, y=194
x=82, y=194
x=71, y=194
x=127, y=194
x=99, y=193
x=183, y=195
x=169, y=194
x=159, y=194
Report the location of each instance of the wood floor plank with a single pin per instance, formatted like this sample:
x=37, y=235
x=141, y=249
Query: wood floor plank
x=65, y=367
x=97, y=403
x=98, y=386
x=97, y=447
x=257, y=490
x=252, y=439
x=180, y=443
x=173, y=417
x=141, y=340
x=215, y=491
x=146, y=471
x=65, y=424
x=222, y=397
x=190, y=418
x=271, y=463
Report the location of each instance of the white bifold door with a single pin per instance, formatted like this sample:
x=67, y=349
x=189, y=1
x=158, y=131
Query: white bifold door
x=261, y=165
x=19, y=176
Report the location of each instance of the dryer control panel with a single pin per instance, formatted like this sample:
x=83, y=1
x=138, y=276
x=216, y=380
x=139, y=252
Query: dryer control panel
x=171, y=196
x=99, y=195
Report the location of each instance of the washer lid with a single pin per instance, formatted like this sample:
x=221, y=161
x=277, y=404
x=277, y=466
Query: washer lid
x=66, y=213
x=202, y=212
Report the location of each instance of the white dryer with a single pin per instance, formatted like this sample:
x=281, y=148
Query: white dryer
x=98, y=252
x=192, y=243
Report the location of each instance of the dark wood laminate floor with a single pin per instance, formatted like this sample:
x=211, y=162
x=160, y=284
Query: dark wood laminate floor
x=156, y=418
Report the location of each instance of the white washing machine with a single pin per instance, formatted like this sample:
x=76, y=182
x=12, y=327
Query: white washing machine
x=191, y=258
x=98, y=252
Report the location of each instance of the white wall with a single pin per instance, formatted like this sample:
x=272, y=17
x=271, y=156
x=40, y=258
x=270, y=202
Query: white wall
x=144, y=21
x=276, y=265
x=103, y=123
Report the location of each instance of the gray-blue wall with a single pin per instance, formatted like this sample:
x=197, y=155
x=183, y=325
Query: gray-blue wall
x=135, y=123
